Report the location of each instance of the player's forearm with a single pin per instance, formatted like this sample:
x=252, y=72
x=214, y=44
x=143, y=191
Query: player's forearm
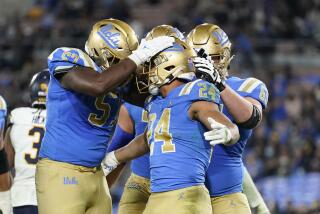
x=238, y=107
x=134, y=149
x=5, y=181
x=87, y=81
x=116, y=75
x=220, y=118
x=113, y=176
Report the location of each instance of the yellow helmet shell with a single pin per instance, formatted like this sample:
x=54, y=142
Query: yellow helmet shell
x=171, y=63
x=111, y=40
x=214, y=41
x=164, y=30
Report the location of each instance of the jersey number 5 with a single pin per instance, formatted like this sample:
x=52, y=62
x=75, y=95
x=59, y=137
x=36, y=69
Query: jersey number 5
x=39, y=132
x=161, y=132
x=104, y=108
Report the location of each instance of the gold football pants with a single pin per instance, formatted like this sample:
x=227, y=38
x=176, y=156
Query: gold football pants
x=190, y=200
x=235, y=203
x=64, y=188
x=135, y=195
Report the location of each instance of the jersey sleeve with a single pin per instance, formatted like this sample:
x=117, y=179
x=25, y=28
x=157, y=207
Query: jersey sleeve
x=3, y=112
x=255, y=89
x=200, y=90
x=63, y=59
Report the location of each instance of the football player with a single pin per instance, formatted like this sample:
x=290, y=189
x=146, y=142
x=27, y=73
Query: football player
x=132, y=122
x=23, y=139
x=242, y=101
x=81, y=116
x=5, y=176
x=177, y=119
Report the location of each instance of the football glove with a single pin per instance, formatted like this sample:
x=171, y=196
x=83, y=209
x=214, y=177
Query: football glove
x=109, y=163
x=148, y=49
x=206, y=70
x=219, y=133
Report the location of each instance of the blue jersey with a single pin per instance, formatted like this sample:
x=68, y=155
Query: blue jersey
x=78, y=126
x=179, y=154
x=3, y=113
x=225, y=173
x=139, y=166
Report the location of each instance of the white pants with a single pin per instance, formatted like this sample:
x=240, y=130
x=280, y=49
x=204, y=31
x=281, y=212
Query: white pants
x=5, y=202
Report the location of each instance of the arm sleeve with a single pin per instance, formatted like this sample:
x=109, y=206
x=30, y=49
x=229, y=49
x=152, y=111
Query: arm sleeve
x=119, y=139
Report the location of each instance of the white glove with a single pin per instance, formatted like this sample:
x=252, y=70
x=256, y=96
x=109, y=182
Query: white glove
x=206, y=70
x=148, y=49
x=109, y=163
x=219, y=133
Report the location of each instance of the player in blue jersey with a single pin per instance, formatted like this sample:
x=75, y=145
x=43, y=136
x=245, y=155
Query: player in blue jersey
x=177, y=119
x=81, y=116
x=5, y=177
x=131, y=123
x=242, y=101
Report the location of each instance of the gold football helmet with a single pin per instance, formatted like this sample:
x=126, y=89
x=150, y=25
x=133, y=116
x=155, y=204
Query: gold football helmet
x=171, y=63
x=215, y=42
x=164, y=30
x=110, y=41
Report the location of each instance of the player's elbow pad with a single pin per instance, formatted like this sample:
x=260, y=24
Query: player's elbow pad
x=253, y=121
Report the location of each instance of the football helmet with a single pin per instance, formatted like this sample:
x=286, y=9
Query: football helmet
x=110, y=41
x=171, y=63
x=164, y=30
x=215, y=42
x=38, y=89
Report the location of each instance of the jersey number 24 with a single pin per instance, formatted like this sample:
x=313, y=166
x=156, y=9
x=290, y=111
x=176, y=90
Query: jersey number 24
x=160, y=132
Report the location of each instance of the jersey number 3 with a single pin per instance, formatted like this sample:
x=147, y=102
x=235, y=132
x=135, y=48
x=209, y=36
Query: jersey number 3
x=161, y=132
x=39, y=132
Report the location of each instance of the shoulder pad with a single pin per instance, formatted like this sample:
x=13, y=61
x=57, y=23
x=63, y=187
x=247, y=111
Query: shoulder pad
x=65, y=58
x=252, y=87
x=200, y=90
x=22, y=115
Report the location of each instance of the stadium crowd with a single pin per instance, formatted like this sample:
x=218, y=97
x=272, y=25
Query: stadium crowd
x=286, y=144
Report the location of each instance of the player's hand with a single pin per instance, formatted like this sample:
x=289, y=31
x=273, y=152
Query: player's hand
x=109, y=163
x=205, y=70
x=219, y=133
x=148, y=49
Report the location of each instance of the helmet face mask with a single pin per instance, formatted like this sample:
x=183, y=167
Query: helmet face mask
x=155, y=73
x=216, y=44
x=172, y=63
x=110, y=41
x=38, y=89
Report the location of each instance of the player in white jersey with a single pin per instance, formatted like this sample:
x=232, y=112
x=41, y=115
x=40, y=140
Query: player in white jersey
x=23, y=140
x=5, y=177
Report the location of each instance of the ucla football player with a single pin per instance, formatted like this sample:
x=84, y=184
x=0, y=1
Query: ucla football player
x=178, y=117
x=242, y=101
x=81, y=116
x=132, y=122
x=5, y=176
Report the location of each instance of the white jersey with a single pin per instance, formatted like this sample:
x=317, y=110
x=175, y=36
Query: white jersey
x=5, y=203
x=28, y=127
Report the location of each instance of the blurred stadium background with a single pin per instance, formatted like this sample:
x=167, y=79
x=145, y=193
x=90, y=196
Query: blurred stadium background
x=275, y=41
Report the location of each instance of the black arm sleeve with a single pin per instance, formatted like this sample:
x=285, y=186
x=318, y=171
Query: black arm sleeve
x=253, y=121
